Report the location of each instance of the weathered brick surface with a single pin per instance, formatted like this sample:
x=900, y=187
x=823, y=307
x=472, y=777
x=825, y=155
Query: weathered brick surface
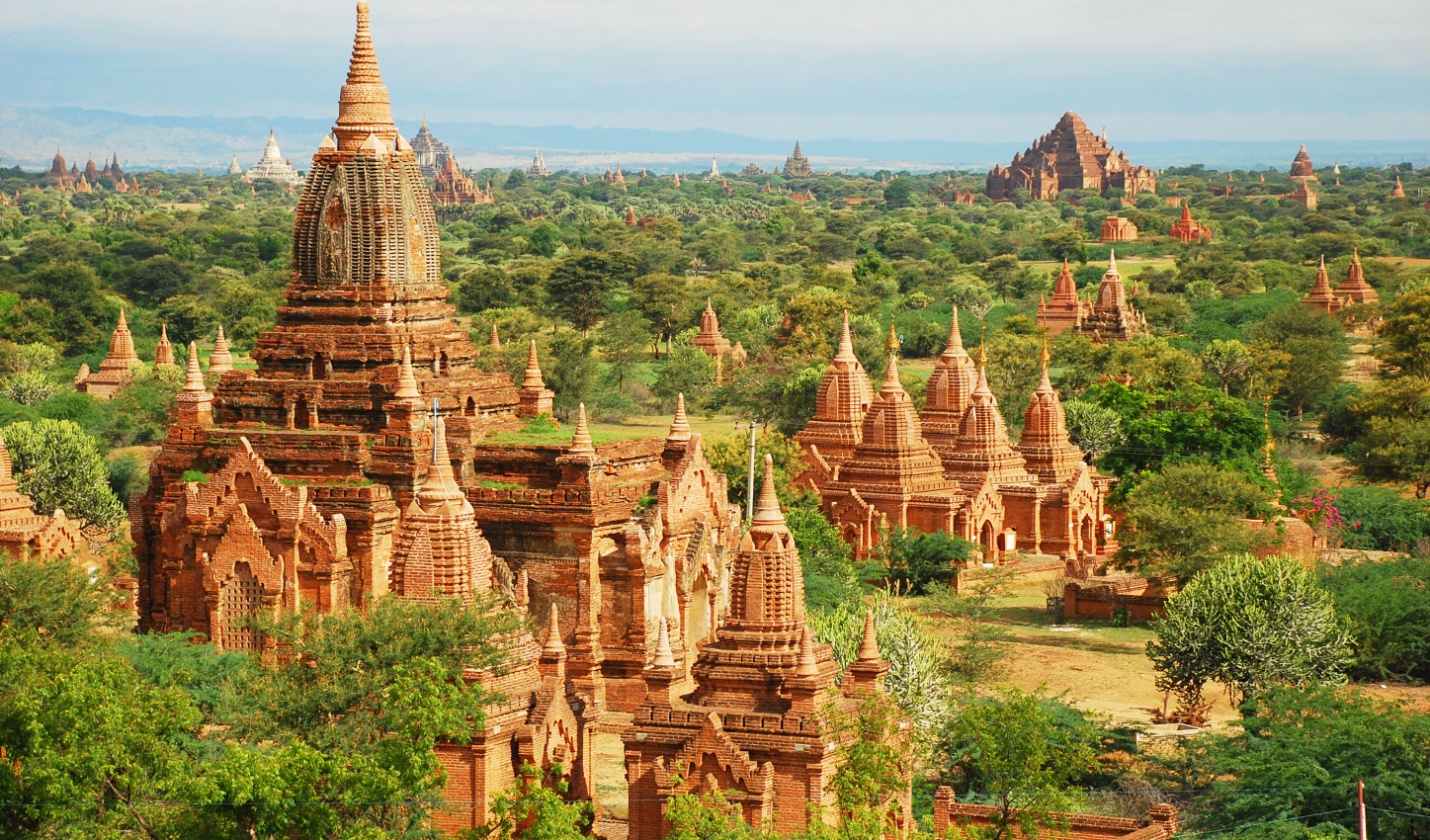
x=1162, y=821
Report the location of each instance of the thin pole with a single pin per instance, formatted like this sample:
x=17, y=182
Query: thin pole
x=750, y=484
x=1360, y=795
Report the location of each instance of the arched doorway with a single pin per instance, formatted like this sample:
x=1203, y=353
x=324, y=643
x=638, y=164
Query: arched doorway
x=988, y=538
x=697, y=621
x=1088, y=539
x=471, y=407
x=302, y=415
x=444, y=367
x=320, y=366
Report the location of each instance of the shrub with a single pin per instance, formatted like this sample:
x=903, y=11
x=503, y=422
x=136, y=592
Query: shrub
x=1387, y=609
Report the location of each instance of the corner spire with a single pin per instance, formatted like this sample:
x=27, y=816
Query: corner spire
x=581, y=442
x=869, y=646
x=808, y=666
x=664, y=656
x=495, y=341
x=406, y=379
x=680, y=427
x=220, y=359
x=955, y=336
x=552, y=646
x=532, y=377
x=194, y=377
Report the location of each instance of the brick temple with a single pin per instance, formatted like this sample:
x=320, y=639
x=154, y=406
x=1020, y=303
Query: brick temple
x=755, y=722
x=355, y=462
x=1070, y=157
x=877, y=463
x=1111, y=317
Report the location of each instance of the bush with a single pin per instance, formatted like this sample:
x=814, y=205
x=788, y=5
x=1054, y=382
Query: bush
x=1380, y=519
x=1387, y=607
x=917, y=560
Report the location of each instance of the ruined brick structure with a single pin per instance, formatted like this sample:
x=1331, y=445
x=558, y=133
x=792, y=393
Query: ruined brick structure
x=1186, y=229
x=953, y=468
x=320, y=479
x=117, y=369
x=1304, y=196
x=1398, y=191
x=1070, y=157
x=1161, y=824
x=24, y=533
x=1117, y=229
x=755, y=724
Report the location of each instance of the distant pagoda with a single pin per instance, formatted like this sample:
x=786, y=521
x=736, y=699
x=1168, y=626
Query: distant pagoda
x=712, y=175
x=454, y=187
x=272, y=166
x=797, y=165
x=1301, y=165
x=234, y=168
x=538, y=169
x=432, y=154
x=1070, y=157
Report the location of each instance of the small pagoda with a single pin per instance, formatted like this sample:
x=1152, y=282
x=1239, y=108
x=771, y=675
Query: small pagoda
x=25, y=533
x=1322, y=296
x=117, y=369
x=538, y=169
x=1066, y=310
x=1301, y=167
x=1354, y=289
x=1186, y=229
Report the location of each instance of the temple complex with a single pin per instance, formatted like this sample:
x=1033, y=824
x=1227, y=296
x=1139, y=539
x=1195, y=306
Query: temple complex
x=757, y=725
x=432, y=154
x=1301, y=165
x=538, y=169
x=116, y=370
x=1321, y=296
x=1187, y=230
x=1118, y=229
x=1070, y=157
x=454, y=187
x=272, y=166
x=24, y=533
x=953, y=467
x=797, y=165
x=355, y=462
x=1111, y=317
x=1354, y=289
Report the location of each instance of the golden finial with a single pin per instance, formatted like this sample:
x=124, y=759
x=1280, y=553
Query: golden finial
x=1046, y=355
x=892, y=342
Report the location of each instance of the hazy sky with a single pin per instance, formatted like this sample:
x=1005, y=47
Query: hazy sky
x=975, y=70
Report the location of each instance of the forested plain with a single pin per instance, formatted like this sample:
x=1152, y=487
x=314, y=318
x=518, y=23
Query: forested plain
x=107, y=734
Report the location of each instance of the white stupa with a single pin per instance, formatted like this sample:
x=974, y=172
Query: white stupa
x=234, y=168
x=272, y=166
x=714, y=173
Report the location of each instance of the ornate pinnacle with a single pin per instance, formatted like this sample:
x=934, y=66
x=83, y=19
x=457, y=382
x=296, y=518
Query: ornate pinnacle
x=846, y=343
x=495, y=341
x=407, y=380
x=955, y=336
x=532, y=378
x=767, y=510
x=892, y=342
x=664, y=656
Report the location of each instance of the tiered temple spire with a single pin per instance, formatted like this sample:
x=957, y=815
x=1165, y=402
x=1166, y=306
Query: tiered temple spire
x=117, y=369
x=164, y=350
x=1354, y=289
x=1322, y=296
x=949, y=389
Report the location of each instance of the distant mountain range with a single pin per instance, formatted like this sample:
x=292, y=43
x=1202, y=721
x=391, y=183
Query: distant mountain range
x=30, y=135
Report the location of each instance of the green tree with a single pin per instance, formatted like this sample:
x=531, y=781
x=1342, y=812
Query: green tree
x=484, y=287
x=1183, y=520
x=1387, y=611
x=581, y=284
x=1404, y=337
x=622, y=339
x=918, y=561
x=1311, y=344
x=899, y=193
x=59, y=466
x=154, y=280
x=1227, y=361
x=825, y=558
x=1093, y=429
x=1021, y=753
x=188, y=318
x=687, y=370
x=662, y=299
x=1250, y=624
x=718, y=248
x=978, y=652
x=531, y=810
x=1394, y=416
x=572, y=374
x=52, y=600
x=1296, y=759
x=76, y=303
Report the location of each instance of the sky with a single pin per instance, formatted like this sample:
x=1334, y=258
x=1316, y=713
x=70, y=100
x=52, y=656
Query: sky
x=964, y=70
